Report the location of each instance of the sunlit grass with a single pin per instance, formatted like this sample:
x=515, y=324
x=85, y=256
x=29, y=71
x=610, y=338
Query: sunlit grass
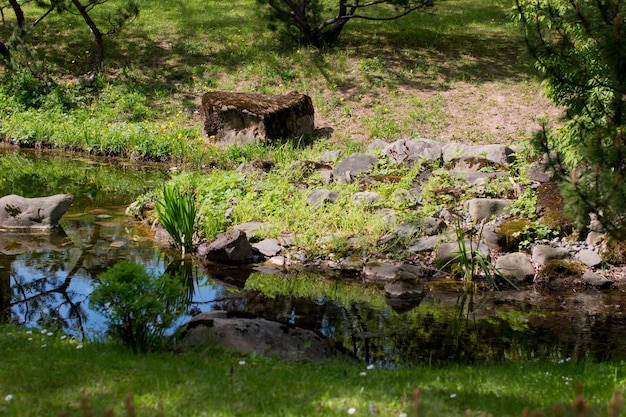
x=48, y=374
x=364, y=88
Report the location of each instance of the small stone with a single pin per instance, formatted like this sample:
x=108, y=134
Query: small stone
x=541, y=254
x=595, y=280
x=589, y=258
x=517, y=266
x=268, y=247
x=366, y=197
x=317, y=198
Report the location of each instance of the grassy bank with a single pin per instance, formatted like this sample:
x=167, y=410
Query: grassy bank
x=433, y=74
x=45, y=375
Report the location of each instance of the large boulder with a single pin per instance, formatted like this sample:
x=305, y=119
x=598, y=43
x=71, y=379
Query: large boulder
x=33, y=214
x=238, y=118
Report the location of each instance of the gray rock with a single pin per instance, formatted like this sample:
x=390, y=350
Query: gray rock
x=403, y=296
x=541, y=254
x=538, y=171
x=377, y=145
x=381, y=273
x=357, y=163
x=250, y=228
x=516, y=266
x=351, y=263
x=448, y=252
x=500, y=154
x=255, y=335
x=365, y=197
x=33, y=214
x=594, y=238
x=411, y=150
x=231, y=247
x=317, y=198
x=277, y=260
x=589, y=258
x=268, y=247
x=594, y=280
x=330, y=156
x=407, y=230
x=423, y=244
x=237, y=118
x=286, y=240
x=485, y=208
x=433, y=226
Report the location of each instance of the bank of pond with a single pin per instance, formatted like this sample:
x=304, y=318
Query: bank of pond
x=46, y=283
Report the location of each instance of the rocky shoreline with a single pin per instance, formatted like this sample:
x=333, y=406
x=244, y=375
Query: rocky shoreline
x=431, y=247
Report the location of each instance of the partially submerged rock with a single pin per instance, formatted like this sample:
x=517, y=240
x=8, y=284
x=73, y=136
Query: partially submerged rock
x=33, y=214
x=256, y=335
x=238, y=118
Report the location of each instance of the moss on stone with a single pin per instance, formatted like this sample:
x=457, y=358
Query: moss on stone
x=560, y=270
x=511, y=233
x=613, y=251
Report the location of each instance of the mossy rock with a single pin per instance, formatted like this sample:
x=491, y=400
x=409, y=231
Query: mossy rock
x=511, y=232
x=613, y=251
x=550, y=211
x=559, y=273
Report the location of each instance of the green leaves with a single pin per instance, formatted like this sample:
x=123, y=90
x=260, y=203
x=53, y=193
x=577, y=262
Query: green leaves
x=581, y=48
x=177, y=214
x=138, y=307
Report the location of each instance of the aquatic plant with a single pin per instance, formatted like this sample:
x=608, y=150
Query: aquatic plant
x=138, y=307
x=177, y=214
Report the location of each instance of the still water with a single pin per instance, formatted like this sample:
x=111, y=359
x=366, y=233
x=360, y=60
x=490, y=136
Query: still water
x=45, y=282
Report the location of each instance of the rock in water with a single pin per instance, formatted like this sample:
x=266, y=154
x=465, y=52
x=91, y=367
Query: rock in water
x=33, y=214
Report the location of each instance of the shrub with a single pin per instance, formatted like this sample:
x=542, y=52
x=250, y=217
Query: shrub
x=581, y=48
x=139, y=308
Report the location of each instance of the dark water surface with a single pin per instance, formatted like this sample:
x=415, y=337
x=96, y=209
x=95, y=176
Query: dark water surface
x=45, y=282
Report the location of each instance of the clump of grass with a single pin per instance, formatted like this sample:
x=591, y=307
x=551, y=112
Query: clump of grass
x=177, y=214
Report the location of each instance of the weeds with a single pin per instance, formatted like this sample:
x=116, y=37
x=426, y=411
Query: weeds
x=472, y=262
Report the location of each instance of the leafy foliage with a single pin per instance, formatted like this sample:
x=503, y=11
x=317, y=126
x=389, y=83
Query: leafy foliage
x=581, y=48
x=177, y=214
x=139, y=307
x=318, y=24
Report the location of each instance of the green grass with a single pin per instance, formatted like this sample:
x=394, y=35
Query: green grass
x=47, y=375
x=384, y=80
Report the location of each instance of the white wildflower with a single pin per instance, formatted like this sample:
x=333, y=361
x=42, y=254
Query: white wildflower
x=8, y=397
x=351, y=410
x=80, y=346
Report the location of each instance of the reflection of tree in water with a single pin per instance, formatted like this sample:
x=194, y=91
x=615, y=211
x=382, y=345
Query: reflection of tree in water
x=457, y=327
x=47, y=293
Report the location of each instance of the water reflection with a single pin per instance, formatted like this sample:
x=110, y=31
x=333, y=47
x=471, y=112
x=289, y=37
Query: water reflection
x=46, y=281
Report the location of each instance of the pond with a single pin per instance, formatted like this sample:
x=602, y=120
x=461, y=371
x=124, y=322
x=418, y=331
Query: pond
x=45, y=283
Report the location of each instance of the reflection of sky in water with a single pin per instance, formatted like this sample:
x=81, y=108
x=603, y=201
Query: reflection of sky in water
x=50, y=288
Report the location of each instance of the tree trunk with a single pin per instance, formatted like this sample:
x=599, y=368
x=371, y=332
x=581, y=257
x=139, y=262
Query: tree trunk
x=99, y=38
x=19, y=14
